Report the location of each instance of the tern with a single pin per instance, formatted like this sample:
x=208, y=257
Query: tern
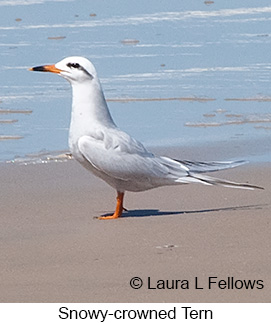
x=111, y=154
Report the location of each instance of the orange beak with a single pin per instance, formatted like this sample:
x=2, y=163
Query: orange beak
x=46, y=68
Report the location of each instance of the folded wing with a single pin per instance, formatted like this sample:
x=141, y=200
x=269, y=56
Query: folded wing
x=121, y=157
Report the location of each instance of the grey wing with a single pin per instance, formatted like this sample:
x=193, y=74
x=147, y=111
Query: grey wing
x=125, y=160
x=119, y=156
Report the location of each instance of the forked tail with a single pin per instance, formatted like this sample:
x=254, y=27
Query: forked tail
x=193, y=172
x=207, y=180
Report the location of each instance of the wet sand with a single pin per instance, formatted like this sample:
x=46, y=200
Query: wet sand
x=54, y=250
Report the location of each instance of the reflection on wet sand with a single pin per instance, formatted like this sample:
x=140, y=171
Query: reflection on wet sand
x=160, y=99
x=10, y=137
x=237, y=120
x=8, y=111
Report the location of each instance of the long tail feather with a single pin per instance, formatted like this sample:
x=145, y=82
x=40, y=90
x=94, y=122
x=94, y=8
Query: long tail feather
x=216, y=181
x=207, y=167
x=192, y=172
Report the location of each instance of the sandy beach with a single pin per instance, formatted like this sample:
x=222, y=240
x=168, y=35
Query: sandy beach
x=188, y=73
x=54, y=250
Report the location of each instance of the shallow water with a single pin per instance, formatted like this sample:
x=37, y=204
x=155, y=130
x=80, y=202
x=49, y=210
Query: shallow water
x=174, y=73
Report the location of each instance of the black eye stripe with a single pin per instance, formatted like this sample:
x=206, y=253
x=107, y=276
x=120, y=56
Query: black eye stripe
x=78, y=66
x=74, y=65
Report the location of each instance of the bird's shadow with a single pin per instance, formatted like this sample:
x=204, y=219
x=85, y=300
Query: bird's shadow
x=156, y=212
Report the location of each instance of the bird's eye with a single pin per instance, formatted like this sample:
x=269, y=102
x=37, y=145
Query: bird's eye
x=74, y=65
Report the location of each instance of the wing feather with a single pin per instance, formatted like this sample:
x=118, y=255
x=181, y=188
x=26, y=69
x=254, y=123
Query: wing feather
x=122, y=159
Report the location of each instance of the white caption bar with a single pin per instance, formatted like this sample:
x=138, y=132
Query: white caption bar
x=135, y=312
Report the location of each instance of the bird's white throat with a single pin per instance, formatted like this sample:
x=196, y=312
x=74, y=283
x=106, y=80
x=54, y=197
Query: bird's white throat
x=89, y=110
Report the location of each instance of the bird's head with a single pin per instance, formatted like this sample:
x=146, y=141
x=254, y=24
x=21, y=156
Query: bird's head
x=75, y=69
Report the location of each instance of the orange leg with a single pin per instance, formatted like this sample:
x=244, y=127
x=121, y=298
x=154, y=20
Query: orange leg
x=119, y=208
